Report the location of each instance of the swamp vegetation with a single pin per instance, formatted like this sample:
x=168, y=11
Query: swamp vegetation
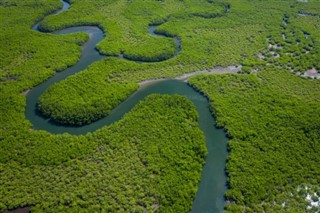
x=151, y=160
x=274, y=130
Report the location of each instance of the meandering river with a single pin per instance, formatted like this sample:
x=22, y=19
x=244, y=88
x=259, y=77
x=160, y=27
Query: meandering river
x=210, y=195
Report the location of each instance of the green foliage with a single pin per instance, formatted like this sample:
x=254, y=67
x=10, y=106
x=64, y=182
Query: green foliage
x=84, y=97
x=245, y=70
x=143, y=162
x=42, y=148
x=273, y=122
x=23, y=64
x=152, y=158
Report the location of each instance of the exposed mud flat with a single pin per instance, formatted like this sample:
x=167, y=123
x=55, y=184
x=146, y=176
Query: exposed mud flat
x=184, y=77
x=261, y=56
x=313, y=73
x=25, y=92
x=275, y=46
x=215, y=70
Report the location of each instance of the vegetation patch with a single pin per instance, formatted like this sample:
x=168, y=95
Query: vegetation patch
x=273, y=120
x=83, y=98
x=271, y=114
x=145, y=162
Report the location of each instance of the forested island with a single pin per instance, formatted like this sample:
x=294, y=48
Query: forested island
x=67, y=65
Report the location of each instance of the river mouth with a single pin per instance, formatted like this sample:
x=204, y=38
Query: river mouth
x=212, y=186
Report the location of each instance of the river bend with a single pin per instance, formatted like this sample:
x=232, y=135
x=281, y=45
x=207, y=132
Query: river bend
x=211, y=189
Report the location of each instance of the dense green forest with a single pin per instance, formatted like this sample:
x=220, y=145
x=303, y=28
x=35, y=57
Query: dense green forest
x=273, y=120
x=81, y=103
x=139, y=163
x=206, y=41
x=269, y=112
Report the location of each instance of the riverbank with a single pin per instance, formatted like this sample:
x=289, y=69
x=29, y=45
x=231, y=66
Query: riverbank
x=186, y=76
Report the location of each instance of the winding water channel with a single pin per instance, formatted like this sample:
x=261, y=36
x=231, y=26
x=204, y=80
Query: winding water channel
x=210, y=195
